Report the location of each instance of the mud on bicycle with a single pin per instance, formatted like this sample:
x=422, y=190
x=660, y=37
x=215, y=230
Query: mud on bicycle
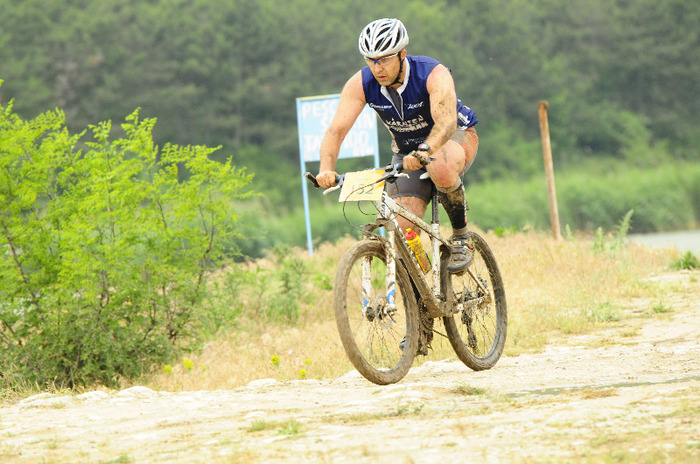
x=385, y=304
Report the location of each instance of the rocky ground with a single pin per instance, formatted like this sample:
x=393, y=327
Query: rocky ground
x=627, y=394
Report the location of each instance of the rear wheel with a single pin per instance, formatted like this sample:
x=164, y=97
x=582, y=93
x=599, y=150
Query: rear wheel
x=477, y=328
x=371, y=332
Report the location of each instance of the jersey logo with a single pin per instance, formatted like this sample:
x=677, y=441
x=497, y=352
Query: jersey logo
x=411, y=125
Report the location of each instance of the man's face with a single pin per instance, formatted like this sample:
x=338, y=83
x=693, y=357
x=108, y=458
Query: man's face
x=385, y=69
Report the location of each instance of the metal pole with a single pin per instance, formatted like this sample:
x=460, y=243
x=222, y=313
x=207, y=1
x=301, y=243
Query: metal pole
x=549, y=170
x=307, y=216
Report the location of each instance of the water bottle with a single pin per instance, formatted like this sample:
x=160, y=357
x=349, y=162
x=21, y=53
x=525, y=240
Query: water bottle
x=414, y=242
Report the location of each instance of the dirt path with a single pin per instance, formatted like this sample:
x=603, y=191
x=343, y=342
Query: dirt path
x=604, y=397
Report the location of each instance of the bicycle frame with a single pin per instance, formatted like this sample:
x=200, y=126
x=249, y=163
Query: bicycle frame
x=387, y=211
x=437, y=304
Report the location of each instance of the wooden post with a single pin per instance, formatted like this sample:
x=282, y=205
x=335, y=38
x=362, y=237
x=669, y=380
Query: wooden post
x=549, y=170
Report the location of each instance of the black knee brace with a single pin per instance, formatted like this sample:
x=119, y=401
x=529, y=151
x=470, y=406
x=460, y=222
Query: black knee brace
x=455, y=204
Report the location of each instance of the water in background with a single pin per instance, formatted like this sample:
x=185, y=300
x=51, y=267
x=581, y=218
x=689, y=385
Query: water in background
x=686, y=240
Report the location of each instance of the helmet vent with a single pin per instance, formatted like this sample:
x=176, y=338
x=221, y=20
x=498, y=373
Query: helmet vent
x=383, y=37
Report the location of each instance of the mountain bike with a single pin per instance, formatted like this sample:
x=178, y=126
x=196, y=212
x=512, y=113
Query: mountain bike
x=385, y=304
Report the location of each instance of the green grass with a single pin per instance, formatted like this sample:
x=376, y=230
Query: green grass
x=686, y=262
x=289, y=427
x=661, y=308
x=467, y=390
x=260, y=425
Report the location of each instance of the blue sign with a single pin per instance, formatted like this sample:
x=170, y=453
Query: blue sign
x=314, y=115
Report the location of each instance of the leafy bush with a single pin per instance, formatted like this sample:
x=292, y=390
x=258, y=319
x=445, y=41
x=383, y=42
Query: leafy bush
x=663, y=198
x=105, y=253
x=688, y=261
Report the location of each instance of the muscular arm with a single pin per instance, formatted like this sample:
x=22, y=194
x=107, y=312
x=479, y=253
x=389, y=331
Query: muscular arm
x=352, y=101
x=443, y=106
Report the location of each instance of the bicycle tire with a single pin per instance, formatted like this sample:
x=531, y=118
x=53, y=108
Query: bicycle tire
x=371, y=341
x=477, y=332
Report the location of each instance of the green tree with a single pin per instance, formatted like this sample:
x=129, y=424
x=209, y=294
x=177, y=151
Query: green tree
x=619, y=75
x=106, y=254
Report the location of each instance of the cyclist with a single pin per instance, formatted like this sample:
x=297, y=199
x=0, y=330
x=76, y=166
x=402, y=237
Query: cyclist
x=416, y=99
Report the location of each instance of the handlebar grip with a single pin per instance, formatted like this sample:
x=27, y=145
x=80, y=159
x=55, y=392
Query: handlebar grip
x=311, y=178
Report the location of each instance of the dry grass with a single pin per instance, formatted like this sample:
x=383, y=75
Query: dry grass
x=553, y=289
x=271, y=352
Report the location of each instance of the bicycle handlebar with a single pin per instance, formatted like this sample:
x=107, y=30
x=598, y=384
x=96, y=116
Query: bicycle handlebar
x=311, y=178
x=393, y=171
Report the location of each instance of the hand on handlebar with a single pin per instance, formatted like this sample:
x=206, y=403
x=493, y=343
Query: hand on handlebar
x=327, y=179
x=416, y=160
x=411, y=163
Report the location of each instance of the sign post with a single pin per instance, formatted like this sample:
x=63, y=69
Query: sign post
x=314, y=115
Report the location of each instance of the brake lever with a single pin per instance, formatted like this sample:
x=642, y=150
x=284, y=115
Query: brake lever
x=331, y=189
x=393, y=172
x=424, y=159
x=338, y=184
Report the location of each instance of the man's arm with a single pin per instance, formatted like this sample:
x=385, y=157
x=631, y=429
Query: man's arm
x=352, y=101
x=443, y=108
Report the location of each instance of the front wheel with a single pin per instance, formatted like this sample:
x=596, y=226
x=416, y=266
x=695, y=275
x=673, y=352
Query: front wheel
x=477, y=327
x=371, y=331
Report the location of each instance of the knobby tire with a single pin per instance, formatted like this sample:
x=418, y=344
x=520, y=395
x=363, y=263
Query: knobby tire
x=372, y=341
x=478, y=332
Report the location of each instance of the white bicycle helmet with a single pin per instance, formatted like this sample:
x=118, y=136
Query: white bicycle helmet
x=383, y=37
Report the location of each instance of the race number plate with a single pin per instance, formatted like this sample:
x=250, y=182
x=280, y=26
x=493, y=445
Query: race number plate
x=362, y=186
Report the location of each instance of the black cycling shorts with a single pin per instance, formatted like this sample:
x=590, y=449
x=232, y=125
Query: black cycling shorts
x=413, y=186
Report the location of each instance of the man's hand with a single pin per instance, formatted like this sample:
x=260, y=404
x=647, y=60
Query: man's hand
x=326, y=179
x=416, y=160
x=411, y=163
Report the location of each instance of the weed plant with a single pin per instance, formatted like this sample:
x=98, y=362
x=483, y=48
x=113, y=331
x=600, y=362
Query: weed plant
x=687, y=261
x=106, y=252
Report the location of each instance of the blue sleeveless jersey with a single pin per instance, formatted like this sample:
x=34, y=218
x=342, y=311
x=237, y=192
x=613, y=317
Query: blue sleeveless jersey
x=411, y=123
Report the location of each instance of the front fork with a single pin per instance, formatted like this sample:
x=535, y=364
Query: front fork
x=384, y=305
